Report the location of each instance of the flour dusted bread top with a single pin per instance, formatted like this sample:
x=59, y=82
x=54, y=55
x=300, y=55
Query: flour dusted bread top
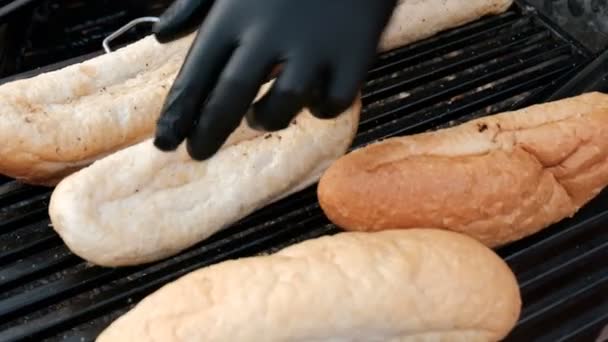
x=58, y=122
x=498, y=178
x=416, y=285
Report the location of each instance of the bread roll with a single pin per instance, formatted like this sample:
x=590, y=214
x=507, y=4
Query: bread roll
x=416, y=285
x=55, y=123
x=58, y=122
x=140, y=204
x=498, y=178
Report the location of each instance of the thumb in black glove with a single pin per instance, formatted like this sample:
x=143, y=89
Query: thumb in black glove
x=323, y=46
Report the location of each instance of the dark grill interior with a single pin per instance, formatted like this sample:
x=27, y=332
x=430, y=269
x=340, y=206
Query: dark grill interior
x=479, y=69
x=60, y=29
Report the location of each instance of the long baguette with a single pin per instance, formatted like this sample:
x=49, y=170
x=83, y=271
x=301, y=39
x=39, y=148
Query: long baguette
x=498, y=179
x=58, y=122
x=416, y=285
x=140, y=204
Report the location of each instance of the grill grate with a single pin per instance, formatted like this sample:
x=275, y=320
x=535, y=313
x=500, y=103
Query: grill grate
x=482, y=68
x=56, y=29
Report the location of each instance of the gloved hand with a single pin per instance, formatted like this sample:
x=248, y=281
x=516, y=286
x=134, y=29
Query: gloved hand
x=323, y=46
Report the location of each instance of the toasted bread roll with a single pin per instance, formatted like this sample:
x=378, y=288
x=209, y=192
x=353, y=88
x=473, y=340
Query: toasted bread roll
x=498, y=178
x=58, y=122
x=415, y=285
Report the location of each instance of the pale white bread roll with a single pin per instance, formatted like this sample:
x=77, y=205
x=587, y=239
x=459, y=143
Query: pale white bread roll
x=140, y=204
x=415, y=285
x=498, y=178
x=58, y=122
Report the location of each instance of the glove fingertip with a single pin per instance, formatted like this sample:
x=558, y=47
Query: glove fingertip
x=164, y=32
x=165, y=144
x=165, y=138
x=327, y=110
x=201, y=152
x=180, y=19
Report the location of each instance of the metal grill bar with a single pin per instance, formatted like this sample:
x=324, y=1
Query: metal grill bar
x=41, y=264
x=560, y=266
x=450, y=84
x=457, y=60
x=589, y=300
x=587, y=330
x=11, y=192
x=23, y=212
x=426, y=118
x=455, y=39
x=26, y=241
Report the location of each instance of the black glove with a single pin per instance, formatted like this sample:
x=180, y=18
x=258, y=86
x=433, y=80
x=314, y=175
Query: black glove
x=323, y=46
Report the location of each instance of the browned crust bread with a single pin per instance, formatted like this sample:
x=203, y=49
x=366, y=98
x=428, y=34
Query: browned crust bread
x=498, y=179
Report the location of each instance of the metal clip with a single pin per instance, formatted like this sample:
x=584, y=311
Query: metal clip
x=127, y=27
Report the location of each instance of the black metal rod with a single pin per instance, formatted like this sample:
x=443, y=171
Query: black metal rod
x=593, y=77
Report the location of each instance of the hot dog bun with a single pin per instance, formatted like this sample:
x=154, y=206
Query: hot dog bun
x=498, y=178
x=55, y=123
x=416, y=285
x=140, y=204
